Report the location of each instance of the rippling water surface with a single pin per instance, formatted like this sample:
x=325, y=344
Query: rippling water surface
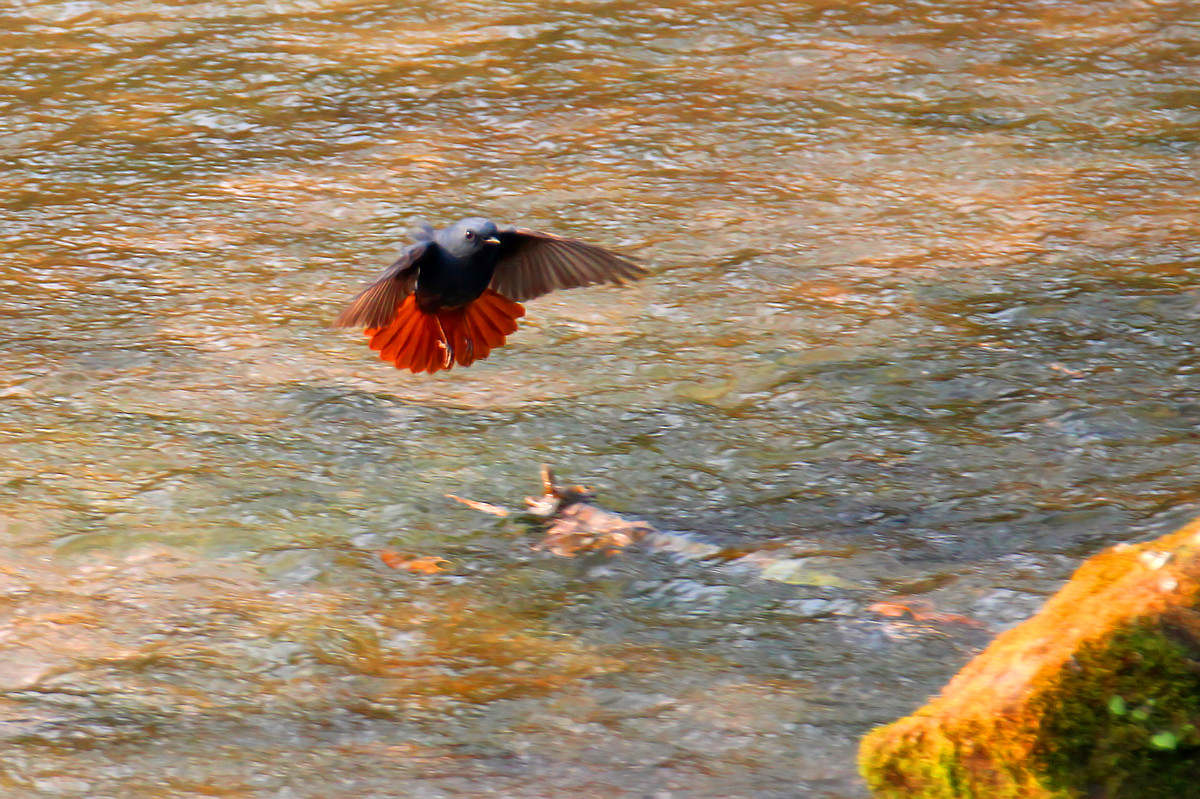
x=922, y=315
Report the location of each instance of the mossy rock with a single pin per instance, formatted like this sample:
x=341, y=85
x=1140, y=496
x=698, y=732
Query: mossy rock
x=1095, y=697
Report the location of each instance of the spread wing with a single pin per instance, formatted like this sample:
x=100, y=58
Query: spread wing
x=532, y=264
x=376, y=305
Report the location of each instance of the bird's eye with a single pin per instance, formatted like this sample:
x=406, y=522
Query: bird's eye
x=470, y=235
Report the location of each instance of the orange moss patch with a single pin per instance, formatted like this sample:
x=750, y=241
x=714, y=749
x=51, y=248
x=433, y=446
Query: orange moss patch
x=1098, y=695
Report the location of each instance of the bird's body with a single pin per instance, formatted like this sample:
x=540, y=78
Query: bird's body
x=447, y=280
x=454, y=295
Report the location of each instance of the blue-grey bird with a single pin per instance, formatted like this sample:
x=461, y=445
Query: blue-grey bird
x=455, y=293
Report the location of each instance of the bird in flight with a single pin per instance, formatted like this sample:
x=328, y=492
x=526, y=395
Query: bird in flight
x=455, y=294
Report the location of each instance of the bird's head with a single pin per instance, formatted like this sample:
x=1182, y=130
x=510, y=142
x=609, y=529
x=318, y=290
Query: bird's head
x=468, y=236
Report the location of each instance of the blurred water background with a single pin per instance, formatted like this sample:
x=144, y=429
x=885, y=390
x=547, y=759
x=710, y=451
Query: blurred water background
x=921, y=324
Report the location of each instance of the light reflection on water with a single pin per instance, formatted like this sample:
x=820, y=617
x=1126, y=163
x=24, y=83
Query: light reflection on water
x=922, y=311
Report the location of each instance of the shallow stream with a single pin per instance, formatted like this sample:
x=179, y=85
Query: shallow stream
x=921, y=325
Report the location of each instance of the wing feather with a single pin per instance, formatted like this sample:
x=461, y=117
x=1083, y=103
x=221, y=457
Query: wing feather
x=532, y=264
x=376, y=305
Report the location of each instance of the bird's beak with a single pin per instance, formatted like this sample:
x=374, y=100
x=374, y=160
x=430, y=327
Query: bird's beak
x=491, y=240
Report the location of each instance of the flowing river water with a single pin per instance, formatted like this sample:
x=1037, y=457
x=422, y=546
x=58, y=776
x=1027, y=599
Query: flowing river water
x=920, y=326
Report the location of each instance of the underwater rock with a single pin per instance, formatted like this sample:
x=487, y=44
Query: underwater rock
x=1096, y=696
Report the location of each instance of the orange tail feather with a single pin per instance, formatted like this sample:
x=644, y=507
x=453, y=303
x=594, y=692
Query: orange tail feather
x=494, y=317
x=417, y=341
x=402, y=334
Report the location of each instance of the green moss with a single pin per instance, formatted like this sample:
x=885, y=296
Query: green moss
x=1121, y=720
x=971, y=762
x=1096, y=696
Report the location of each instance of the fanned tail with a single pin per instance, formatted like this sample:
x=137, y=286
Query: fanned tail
x=422, y=342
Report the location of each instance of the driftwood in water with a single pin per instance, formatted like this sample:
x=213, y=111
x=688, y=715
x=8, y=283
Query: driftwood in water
x=573, y=525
